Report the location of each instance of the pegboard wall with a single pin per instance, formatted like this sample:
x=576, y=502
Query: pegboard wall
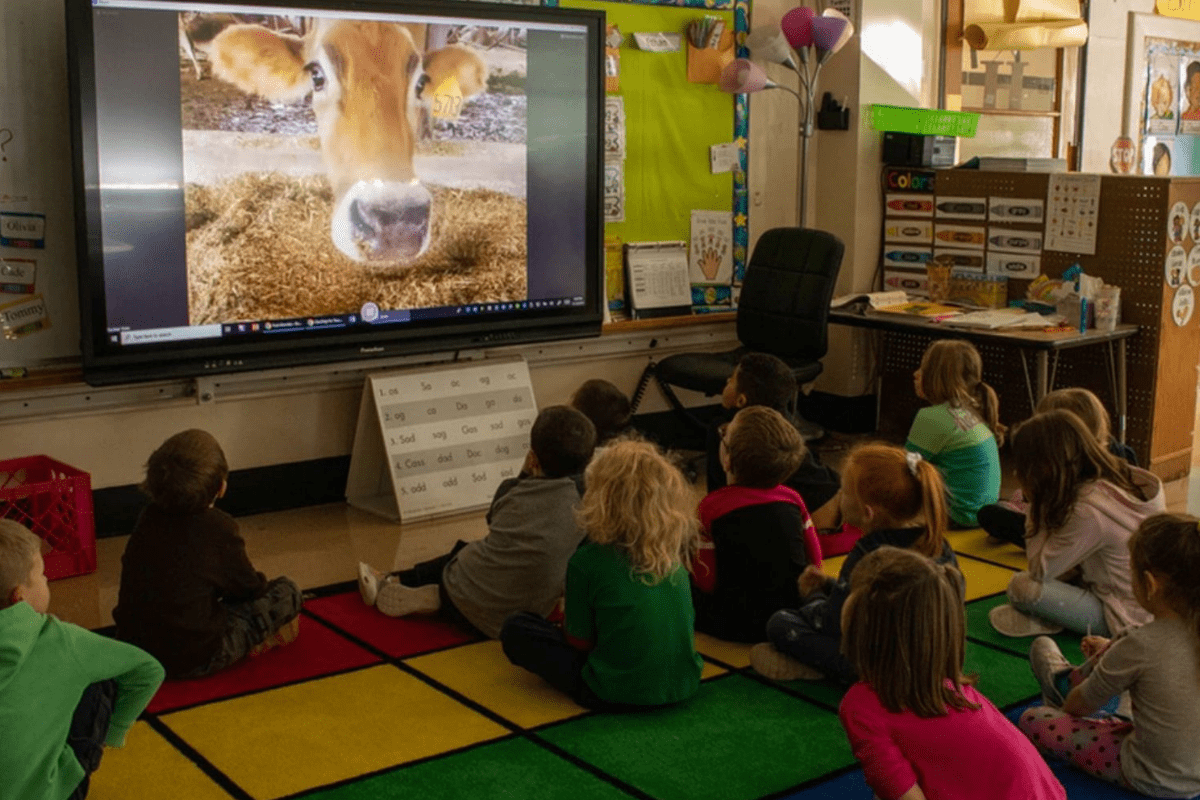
x=1133, y=242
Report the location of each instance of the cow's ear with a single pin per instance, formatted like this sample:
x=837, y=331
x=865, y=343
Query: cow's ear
x=262, y=62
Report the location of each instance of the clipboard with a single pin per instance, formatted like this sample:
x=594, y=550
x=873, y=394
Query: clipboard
x=658, y=280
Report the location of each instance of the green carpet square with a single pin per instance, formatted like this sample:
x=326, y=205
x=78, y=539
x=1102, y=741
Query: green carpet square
x=825, y=692
x=979, y=629
x=1004, y=678
x=736, y=739
x=512, y=768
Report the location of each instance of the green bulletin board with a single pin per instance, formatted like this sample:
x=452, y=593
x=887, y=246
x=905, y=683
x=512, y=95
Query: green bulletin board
x=670, y=124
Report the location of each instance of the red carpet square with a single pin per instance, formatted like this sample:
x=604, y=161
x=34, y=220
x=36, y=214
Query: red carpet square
x=399, y=637
x=316, y=651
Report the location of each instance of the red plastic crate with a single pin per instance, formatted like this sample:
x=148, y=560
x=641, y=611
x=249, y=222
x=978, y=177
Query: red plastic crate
x=54, y=501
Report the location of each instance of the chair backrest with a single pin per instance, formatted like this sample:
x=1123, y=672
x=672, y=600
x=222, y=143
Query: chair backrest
x=784, y=304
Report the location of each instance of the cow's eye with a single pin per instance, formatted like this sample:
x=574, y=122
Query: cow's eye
x=317, y=74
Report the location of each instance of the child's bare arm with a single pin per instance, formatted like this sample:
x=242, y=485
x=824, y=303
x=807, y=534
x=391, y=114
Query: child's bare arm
x=811, y=581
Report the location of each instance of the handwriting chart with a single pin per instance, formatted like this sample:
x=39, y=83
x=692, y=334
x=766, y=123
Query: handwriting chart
x=438, y=440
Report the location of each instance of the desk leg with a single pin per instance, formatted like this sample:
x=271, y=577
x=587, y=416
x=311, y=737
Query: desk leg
x=1122, y=399
x=1043, y=376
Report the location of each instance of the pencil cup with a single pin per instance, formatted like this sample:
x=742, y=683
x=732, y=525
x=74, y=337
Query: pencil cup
x=1108, y=308
x=937, y=272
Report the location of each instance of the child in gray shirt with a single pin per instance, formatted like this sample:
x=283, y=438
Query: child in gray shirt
x=1156, y=753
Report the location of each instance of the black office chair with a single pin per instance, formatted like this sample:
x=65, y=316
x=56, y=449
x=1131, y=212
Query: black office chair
x=783, y=311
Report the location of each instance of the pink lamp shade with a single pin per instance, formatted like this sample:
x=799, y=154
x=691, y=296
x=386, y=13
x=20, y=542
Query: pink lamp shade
x=826, y=31
x=743, y=75
x=797, y=26
x=847, y=32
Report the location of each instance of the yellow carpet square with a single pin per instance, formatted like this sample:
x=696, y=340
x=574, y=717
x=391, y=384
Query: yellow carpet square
x=482, y=673
x=974, y=542
x=314, y=733
x=832, y=566
x=735, y=654
x=145, y=766
x=983, y=579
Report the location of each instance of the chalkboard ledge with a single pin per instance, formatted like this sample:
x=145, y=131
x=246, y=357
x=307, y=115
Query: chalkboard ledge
x=668, y=322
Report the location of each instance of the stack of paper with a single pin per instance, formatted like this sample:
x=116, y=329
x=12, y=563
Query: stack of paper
x=1003, y=318
x=874, y=299
x=923, y=309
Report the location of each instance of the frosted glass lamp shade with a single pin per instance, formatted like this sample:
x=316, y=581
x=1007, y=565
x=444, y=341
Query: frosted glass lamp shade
x=797, y=26
x=769, y=44
x=743, y=75
x=847, y=32
x=826, y=31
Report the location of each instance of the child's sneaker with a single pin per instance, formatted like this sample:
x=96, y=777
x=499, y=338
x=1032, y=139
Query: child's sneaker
x=397, y=600
x=1011, y=622
x=368, y=582
x=770, y=663
x=1048, y=665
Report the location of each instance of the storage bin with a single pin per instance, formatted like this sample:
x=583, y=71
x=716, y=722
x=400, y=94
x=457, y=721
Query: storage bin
x=54, y=500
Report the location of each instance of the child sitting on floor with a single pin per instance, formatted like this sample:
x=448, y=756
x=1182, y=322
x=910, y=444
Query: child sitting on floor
x=1157, y=663
x=1084, y=504
x=65, y=692
x=895, y=498
x=761, y=379
x=915, y=722
x=1006, y=520
x=627, y=640
x=605, y=405
x=189, y=594
x=758, y=537
x=960, y=432
x=521, y=563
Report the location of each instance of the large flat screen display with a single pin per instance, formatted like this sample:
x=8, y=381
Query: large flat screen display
x=273, y=184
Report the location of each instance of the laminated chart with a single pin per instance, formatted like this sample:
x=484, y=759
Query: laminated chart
x=437, y=440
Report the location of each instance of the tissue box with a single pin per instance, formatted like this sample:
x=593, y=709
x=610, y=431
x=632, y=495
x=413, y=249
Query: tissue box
x=977, y=289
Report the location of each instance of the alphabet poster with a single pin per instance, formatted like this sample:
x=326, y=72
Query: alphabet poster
x=437, y=440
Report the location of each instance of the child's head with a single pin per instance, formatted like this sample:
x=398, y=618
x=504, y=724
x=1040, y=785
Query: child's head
x=1083, y=404
x=883, y=486
x=951, y=372
x=1164, y=556
x=640, y=503
x=562, y=439
x=605, y=405
x=1053, y=454
x=904, y=630
x=760, y=448
x=761, y=380
x=187, y=472
x=22, y=571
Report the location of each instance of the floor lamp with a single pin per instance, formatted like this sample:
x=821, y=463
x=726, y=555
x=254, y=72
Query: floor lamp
x=803, y=42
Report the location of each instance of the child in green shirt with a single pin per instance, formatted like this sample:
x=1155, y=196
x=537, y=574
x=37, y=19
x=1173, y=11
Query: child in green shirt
x=628, y=639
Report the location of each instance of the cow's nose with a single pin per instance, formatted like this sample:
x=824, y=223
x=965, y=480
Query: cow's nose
x=374, y=219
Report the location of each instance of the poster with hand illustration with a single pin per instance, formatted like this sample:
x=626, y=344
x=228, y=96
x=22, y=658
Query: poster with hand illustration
x=711, y=251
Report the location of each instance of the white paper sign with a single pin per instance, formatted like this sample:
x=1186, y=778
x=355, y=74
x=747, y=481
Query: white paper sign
x=1072, y=212
x=658, y=275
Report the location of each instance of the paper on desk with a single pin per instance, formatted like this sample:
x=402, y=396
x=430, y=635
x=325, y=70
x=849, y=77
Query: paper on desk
x=874, y=299
x=1004, y=318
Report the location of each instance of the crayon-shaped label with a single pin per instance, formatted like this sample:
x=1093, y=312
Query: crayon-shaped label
x=1008, y=239
x=912, y=282
x=1014, y=209
x=964, y=207
x=899, y=256
x=960, y=235
x=971, y=260
x=916, y=206
x=908, y=230
x=1014, y=265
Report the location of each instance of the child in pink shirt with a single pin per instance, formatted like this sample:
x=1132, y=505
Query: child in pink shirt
x=915, y=722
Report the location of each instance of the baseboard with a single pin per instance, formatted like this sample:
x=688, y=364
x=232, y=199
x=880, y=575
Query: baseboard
x=251, y=491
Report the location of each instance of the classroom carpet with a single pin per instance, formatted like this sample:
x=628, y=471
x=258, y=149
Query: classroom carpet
x=364, y=707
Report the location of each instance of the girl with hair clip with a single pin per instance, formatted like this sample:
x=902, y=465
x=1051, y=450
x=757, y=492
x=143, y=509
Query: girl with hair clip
x=960, y=432
x=915, y=722
x=895, y=498
x=1084, y=504
x=1006, y=520
x=1157, y=663
x=627, y=640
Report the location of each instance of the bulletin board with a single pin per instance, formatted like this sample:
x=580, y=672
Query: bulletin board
x=671, y=124
x=1163, y=94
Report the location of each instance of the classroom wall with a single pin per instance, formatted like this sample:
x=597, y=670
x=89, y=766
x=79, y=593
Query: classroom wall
x=276, y=427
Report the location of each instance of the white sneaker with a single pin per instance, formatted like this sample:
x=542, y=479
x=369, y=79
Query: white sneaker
x=368, y=583
x=1048, y=662
x=770, y=663
x=397, y=600
x=1011, y=622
